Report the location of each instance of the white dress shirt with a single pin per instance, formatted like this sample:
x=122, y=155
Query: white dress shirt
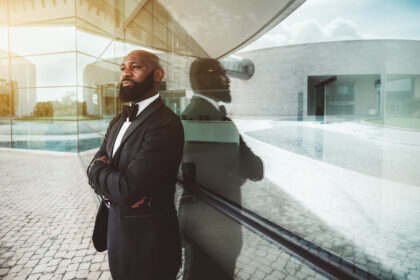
x=142, y=105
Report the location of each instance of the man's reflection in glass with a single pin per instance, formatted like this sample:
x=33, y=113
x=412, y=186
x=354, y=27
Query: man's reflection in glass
x=221, y=163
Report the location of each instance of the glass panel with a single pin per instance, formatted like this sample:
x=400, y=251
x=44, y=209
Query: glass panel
x=3, y=13
x=7, y=93
x=114, y=51
x=338, y=182
x=402, y=101
x=4, y=39
x=23, y=11
x=131, y=5
x=144, y=20
x=216, y=247
x=153, y=27
x=4, y=69
x=99, y=16
x=136, y=35
x=45, y=70
x=94, y=72
x=51, y=123
x=41, y=39
x=344, y=97
x=93, y=122
x=91, y=44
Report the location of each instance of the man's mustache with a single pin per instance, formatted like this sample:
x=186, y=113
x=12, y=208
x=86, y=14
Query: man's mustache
x=126, y=79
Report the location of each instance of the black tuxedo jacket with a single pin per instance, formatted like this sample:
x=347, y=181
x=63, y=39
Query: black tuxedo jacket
x=143, y=242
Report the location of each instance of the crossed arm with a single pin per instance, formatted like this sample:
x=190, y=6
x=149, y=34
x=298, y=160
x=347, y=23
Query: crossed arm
x=146, y=173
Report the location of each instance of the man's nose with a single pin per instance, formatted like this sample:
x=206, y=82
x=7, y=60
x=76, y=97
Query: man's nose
x=126, y=73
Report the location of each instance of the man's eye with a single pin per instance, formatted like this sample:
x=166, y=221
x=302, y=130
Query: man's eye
x=122, y=69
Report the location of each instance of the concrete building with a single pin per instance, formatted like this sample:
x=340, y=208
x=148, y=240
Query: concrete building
x=286, y=78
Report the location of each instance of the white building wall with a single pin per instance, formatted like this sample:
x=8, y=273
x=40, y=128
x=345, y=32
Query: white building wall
x=282, y=72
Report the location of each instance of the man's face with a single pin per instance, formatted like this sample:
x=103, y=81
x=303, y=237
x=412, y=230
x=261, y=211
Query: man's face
x=137, y=77
x=217, y=83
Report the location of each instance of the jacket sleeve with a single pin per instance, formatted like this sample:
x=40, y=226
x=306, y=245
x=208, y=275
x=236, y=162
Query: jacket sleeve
x=152, y=166
x=251, y=166
x=102, y=150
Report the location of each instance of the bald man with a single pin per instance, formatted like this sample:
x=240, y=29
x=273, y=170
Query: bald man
x=134, y=172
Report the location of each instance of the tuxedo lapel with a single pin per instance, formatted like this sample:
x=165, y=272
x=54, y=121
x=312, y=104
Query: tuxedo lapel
x=113, y=135
x=139, y=120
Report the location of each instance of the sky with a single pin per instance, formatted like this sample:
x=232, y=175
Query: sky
x=337, y=20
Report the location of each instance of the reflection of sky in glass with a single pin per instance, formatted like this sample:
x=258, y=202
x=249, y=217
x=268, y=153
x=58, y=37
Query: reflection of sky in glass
x=27, y=40
x=332, y=20
x=3, y=41
x=54, y=69
x=55, y=94
x=91, y=44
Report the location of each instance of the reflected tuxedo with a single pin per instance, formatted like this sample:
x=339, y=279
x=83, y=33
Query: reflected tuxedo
x=222, y=168
x=143, y=242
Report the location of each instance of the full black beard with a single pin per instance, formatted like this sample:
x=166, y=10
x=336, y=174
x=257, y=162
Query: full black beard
x=137, y=90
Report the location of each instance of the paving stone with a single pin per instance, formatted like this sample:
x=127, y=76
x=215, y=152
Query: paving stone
x=49, y=239
x=31, y=263
x=95, y=266
x=60, y=270
x=84, y=265
x=72, y=267
x=106, y=275
x=69, y=275
x=4, y=271
x=98, y=258
x=105, y=265
x=93, y=275
x=34, y=276
x=82, y=273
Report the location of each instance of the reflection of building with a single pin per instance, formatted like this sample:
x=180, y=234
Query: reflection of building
x=7, y=98
x=334, y=78
x=101, y=90
x=174, y=99
x=17, y=97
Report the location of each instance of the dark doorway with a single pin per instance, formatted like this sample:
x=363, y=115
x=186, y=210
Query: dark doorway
x=316, y=94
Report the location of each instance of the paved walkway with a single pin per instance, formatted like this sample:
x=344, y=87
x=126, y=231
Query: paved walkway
x=47, y=215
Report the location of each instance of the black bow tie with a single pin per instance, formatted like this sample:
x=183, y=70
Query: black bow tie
x=130, y=112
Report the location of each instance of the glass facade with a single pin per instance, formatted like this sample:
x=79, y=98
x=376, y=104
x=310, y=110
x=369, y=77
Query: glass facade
x=320, y=139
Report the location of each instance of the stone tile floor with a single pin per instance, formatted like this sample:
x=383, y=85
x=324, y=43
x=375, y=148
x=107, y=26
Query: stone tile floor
x=47, y=213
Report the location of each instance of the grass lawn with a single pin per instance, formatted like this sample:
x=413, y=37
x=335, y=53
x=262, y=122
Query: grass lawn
x=412, y=123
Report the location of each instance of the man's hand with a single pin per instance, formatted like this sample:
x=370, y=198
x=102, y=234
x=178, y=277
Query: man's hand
x=140, y=202
x=103, y=159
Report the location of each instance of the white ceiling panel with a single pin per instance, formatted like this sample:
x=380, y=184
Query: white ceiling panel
x=221, y=27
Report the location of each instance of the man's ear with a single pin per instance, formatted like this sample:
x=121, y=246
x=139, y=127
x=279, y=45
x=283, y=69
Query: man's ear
x=159, y=74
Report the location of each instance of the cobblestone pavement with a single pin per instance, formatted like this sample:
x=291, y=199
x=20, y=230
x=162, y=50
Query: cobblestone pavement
x=47, y=214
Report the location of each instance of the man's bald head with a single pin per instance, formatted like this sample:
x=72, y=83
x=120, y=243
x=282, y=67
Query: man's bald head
x=145, y=57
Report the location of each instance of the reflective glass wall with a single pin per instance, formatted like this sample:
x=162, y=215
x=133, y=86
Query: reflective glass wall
x=59, y=81
x=59, y=66
x=322, y=139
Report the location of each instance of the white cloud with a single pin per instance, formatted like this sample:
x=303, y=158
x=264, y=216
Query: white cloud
x=308, y=31
x=342, y=29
